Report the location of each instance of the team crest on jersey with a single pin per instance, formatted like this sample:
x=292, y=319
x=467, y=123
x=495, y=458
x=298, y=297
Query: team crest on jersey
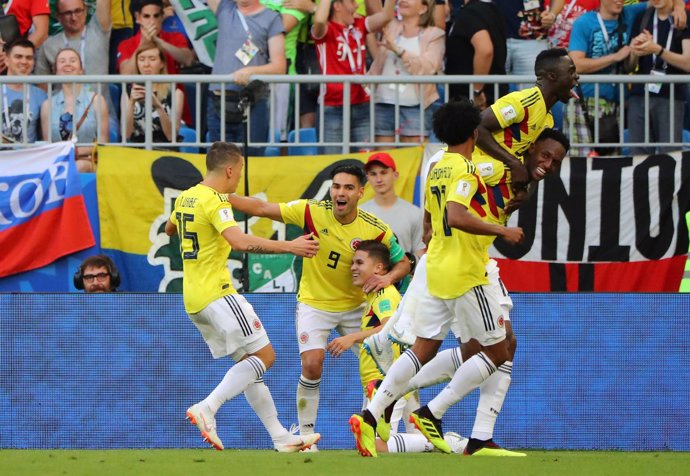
x=354, y=244
x=304, y=337
x=500, y=321
x=257, y=324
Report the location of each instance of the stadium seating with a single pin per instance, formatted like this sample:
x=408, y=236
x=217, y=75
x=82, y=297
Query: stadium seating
x=306, y=136
x=188, y=136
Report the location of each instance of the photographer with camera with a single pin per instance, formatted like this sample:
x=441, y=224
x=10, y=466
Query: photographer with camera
x=150, y=59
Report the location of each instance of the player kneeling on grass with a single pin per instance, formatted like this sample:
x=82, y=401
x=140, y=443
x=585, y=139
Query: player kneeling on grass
x=207, y=229
x=373, y=258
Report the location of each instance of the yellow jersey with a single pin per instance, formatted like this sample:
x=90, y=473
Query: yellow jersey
x=522, y=116
x=121, y=14
x=456, y=261
x=496, y=176
x=326, y=282
x=380, y=306
x=201, y=214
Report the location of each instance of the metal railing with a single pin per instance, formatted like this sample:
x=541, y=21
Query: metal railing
x=199, y=83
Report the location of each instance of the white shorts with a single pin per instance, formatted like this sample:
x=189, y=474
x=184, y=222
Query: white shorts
x=401, y=327
x=314, y=326
x=230, y=326
x=492, y=272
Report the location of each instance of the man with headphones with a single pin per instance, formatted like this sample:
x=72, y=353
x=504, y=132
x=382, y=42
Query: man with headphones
x=97, y=274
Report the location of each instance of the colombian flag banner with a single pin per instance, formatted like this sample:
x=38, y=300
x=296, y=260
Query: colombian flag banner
x=137, y=191
x=42, y=212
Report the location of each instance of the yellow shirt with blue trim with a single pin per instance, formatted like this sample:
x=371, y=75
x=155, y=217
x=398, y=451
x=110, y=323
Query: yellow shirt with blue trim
x=522, y=116
x=326, y=282
x=496, y=176
x=201, y=214
x=456, y=260
x=381, y=305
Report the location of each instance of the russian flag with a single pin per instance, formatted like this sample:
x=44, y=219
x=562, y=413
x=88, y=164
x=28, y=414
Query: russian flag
x=42, y=212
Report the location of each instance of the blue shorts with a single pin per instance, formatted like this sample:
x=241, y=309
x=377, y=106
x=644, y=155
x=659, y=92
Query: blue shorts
x=409, y=122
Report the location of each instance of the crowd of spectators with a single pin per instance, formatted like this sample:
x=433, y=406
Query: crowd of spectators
x=330, y=37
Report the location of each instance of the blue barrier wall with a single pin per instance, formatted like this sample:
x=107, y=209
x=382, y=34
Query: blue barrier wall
x=593, y=371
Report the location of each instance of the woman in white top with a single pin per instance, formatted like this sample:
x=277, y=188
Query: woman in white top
x=411, y=46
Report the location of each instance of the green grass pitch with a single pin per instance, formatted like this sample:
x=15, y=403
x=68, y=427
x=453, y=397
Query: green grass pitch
x=333, y=463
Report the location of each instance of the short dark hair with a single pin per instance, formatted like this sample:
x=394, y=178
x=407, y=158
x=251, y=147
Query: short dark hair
x=547, y=61
x=351, y=169
x=556, y=135
x=455, y=122
x=21, y=43
x=144, y=3
x=222, y=154
x=376, y=251
x=99, y=261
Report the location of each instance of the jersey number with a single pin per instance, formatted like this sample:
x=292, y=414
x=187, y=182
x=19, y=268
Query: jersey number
x=438, y=193
x=334, y=257
x=183, y=219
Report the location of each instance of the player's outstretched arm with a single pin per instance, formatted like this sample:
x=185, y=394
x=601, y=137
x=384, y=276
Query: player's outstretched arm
x=339, y=345
x=488, y=144
x=255, y=207
x=460, y=218
x=303, y=246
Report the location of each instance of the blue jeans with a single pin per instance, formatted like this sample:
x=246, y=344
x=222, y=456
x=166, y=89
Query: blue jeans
x=659, y=123
x=234, y=132
x=521, y=55
x=333, y=126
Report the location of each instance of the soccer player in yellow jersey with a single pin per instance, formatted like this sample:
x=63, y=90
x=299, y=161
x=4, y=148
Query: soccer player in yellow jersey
x=371, y=257
x=455, y=200
x=514, y=121
x=544, y=157
x=327, y=298
x=204, y=220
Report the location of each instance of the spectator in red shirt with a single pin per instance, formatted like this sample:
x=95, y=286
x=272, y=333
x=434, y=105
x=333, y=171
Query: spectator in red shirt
x=340, y=39
x=32, y=17
x=149, y=16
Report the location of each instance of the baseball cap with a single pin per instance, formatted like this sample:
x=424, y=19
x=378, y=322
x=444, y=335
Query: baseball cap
x=380, y=158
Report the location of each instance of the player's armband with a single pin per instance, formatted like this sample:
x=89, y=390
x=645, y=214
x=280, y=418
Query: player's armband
x=397, y=253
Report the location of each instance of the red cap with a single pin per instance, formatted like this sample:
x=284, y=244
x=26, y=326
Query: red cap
x=380, y=158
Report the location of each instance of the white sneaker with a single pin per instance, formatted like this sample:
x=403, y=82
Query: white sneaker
x=456, y=442
x=381, y=352
x=312, y=448
x=292, y=442
x=206, y=423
